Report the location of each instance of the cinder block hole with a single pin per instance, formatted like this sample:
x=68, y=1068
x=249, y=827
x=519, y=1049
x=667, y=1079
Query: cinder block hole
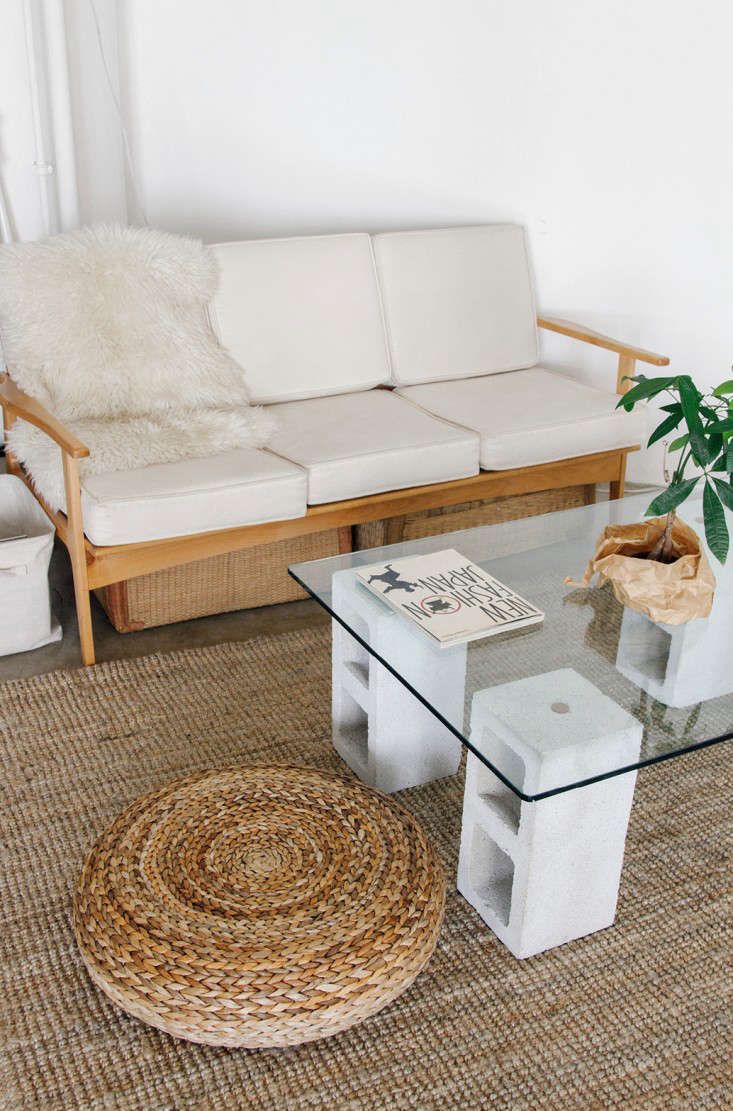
x=491, y=874
x=492, y=791
x=360, y=671
x=353, y=728
x=647, y=650
x=355, y=653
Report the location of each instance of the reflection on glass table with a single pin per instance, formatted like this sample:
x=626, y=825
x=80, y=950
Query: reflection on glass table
x=676, y=683
x=556, y=717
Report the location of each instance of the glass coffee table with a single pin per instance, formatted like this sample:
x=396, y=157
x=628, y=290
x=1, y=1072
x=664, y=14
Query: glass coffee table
x=556, y=718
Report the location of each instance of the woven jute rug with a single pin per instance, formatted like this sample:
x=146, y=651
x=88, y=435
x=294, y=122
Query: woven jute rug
x=636, y=1016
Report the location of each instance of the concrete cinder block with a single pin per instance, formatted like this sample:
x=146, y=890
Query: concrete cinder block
x=678, y=665
x=382, y=731
x=681, y=665
x=544, y=873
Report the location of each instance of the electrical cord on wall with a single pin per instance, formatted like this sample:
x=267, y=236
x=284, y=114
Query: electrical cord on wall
x=137, y=198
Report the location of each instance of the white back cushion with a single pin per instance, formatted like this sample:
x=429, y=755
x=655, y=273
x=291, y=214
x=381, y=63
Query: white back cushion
x=301, y=315
x=457, y=302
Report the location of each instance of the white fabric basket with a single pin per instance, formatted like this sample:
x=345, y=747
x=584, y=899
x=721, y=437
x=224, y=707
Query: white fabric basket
x=25, y=605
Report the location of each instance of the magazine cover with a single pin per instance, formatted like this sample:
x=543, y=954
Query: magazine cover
x=449, y=597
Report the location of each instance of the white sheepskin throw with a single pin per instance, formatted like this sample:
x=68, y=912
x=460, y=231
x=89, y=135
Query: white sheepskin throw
x=107, y=327
x=123, y=445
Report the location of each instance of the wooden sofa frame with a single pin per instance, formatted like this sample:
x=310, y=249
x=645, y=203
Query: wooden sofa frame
x=94, y=567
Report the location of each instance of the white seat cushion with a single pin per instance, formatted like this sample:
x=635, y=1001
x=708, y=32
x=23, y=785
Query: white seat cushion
x=532, y=416
x=301, y=315
x=242, y=487
x=457, y=302
x=358, y=444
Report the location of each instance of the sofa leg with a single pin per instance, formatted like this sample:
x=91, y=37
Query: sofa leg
x=77, y=554
x=83, y=599
x=618, y=485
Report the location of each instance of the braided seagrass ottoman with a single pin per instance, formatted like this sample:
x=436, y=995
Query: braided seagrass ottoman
x=259, y=906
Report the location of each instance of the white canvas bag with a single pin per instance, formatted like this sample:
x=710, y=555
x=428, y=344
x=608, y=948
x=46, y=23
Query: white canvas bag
x=25, y=605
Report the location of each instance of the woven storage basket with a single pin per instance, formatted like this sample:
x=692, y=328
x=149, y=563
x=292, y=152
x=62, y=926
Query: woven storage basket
x=233, y=581
x=259, y=576
x=492, y=511
x=261, y=906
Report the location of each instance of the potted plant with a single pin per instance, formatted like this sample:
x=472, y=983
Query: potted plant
x=704, y=445
x=659, y=567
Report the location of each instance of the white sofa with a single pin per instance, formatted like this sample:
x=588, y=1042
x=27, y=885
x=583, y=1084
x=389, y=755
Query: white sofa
x=445, y=317
x=391, y=361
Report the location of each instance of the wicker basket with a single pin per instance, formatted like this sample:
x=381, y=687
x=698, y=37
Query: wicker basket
x=259, y=576
x=233, y=581
x=491, y=511
x=259, y=906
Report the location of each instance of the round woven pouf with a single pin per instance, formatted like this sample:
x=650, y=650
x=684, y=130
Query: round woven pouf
x=260, y=906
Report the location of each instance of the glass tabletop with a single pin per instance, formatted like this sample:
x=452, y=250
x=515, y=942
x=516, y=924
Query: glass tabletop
x=595, y=690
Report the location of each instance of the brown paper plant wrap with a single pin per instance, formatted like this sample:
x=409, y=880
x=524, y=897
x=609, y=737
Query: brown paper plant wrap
x=667, y=593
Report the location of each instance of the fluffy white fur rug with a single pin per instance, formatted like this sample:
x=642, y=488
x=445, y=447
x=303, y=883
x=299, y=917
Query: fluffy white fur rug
x=122, y=445
x=107, y=326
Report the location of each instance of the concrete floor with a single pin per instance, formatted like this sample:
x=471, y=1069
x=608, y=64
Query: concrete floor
x=111, y=645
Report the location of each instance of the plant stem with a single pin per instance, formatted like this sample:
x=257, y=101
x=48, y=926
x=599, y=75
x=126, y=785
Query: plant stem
x=682, y=464
x=662, y=550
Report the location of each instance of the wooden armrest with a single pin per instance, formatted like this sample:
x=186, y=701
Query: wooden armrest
x=586, y=335
x=29, y=409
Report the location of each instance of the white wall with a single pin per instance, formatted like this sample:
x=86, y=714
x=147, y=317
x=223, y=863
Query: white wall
x=606, y=128
x=18, y=178
x=100, y=166
x=82, y=136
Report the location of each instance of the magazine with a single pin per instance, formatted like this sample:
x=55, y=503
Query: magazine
x=449, y=597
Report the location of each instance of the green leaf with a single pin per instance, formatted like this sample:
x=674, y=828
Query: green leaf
x=681, y=441
x=648, y=387
x=725, y=492
x=665, y=427
x=673, y=496
x=723, y=388
x=716, y=528
x=719, y=426
x=690, y=399
x=675, y=407
x=715, y=445
x=724, y=462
